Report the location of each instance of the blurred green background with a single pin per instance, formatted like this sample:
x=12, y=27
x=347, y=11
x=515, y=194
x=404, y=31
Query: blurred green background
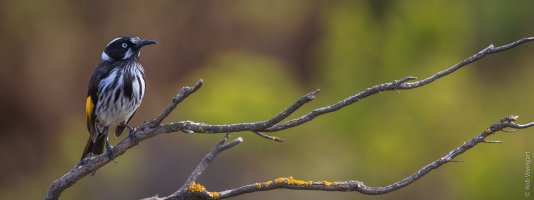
x=256, y=58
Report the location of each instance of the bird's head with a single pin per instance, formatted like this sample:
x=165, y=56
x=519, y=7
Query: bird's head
x=124, y=48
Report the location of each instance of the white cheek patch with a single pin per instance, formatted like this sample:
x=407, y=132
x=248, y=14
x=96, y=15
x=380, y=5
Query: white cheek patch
x=105, y=56
x=128, y=54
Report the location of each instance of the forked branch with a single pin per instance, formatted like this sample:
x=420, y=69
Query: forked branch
x=193, y=191
x=154, y=127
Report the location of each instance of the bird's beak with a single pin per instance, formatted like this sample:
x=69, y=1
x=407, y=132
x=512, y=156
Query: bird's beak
x=145, y=42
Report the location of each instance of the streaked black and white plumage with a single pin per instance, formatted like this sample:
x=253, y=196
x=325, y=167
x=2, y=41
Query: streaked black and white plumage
x=115, y=92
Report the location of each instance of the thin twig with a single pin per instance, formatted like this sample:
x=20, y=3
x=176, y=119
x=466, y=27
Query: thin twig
x=273, y=138
x=511, y=45
x=493, y=141
x=203, y=165
x=521, y=126
x=182, y=94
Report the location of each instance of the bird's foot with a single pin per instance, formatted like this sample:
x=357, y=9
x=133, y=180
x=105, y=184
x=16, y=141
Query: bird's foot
x=109, y=151
x=131, y=134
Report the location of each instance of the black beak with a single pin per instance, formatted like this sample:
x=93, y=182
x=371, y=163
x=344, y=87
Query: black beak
x=145, y=42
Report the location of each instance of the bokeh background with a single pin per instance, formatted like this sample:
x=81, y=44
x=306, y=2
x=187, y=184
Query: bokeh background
x=257, y=57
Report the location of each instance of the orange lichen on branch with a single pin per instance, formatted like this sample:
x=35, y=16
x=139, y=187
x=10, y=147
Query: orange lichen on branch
x=280, y=180
x=328, y=183
x=291, y=181
x=195, y=187
x=268, y=183
x=258, y=185
x=214, y=195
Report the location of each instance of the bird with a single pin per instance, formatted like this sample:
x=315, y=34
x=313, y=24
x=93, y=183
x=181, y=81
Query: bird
x=115, y=91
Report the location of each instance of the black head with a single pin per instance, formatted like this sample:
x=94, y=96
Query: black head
x=124, y=48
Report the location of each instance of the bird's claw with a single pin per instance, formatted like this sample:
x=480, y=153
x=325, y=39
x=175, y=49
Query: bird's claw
x=109, y=152
x=131, y=134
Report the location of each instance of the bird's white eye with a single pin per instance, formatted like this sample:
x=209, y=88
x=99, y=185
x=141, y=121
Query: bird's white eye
x=124, y=45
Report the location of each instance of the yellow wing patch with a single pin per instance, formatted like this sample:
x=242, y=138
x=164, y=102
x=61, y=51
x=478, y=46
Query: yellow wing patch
x=89, y=108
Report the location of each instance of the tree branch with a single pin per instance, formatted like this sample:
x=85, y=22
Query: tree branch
x=395, y=85
x=182, y=94
x=154, y=127
x=90, y=164
x=344, y=186
x=203, y=165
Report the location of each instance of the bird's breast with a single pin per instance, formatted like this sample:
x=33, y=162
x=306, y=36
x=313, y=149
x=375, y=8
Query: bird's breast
x=120, y=94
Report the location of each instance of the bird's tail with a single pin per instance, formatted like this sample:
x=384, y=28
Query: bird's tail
x=95, y=148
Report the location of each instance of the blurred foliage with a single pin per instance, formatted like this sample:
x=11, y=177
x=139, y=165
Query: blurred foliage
x=256, y=58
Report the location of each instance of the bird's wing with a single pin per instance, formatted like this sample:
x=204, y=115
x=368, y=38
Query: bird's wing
x=101, y=71
x=91, y=101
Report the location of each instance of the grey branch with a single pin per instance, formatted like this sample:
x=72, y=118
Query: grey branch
x=197, y=191
x=192, y=190
x=221, y=146
x=182, y=94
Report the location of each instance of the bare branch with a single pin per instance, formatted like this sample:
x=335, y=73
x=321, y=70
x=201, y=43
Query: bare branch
x=190, y=185
x=401, y=84
x=492, y=141
x=91, y=164
x=182, y=94
x=351, y=185
x=521, y=126
x=273, y=138
x=154, y=127
x=203, y=165
x=512, y=45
